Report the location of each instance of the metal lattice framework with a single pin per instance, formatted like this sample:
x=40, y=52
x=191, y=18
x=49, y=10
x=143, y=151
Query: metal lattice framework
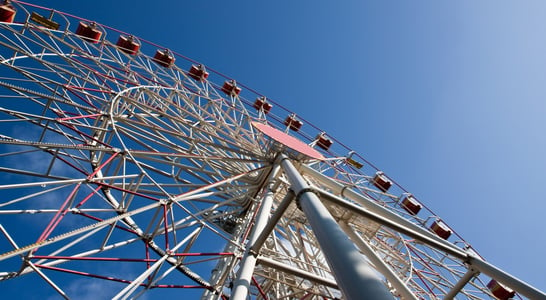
x=125, y=170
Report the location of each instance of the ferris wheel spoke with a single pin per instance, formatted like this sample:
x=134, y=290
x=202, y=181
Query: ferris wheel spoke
x=54, y=259
x=127, y=291
x=222, y=136
x=184, y=155
x=77, y=231
x=63, y=72
x=49, y=281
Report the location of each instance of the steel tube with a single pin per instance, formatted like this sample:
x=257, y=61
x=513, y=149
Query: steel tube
x=389, y=219
x=401, y=288
x=425, y=238
x=461, y=283
x=248, y=262
x=512, y=282
x=355, y=278
x=241, y=284
x=370, y=206
x=49, y=281
x=272, y=222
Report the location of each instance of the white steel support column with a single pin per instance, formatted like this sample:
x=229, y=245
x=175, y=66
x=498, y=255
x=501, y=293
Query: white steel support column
x=482, y=266
x=356, y=279
x=241, y=285
x=279, y=211
x=401, y=288
x=471, y=273
x=393, y=221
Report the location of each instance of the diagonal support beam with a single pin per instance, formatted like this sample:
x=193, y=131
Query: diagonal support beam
x=49, y=281
x=128, y=290
x=369, y=206
x=356, y=279
x=384, y=217
x=471, y=273
x=401, y=288
x=514, y=283
x=241, y=284
x=393, y=224
x=255, y=248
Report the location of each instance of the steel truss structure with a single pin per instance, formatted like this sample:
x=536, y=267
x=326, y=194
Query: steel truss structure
x=125, y=171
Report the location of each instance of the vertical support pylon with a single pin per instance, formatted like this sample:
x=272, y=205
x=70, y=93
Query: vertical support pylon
x=241, y=284
x=356, y=279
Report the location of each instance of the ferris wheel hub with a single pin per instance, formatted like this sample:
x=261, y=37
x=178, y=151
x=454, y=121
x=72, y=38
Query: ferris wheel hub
x=288, y=141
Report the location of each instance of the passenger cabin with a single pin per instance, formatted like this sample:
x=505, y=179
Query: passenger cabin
x=89, y=32
x=411, y=205
x=323, y=141
x=198, y=73
x=128, y=44
x=7, y=13
x=441, y=229
x=230, y=88
x=381, y=181
x=164, y=58
x=500, y=291
x=261, y=104
x=293, y=123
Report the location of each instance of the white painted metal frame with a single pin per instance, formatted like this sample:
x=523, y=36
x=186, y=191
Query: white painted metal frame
x=108, y=159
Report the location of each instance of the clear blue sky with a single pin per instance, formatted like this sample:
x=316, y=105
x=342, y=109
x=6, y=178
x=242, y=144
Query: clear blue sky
x=446, y=97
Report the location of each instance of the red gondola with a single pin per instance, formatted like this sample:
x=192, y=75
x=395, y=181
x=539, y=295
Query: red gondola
x=164, y=58
x=128, y=44
x=89, y=32
x=261, y=104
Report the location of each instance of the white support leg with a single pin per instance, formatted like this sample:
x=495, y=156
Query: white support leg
x=241, y=285
x=461, y=283
x=401, y=288
x=356, y=279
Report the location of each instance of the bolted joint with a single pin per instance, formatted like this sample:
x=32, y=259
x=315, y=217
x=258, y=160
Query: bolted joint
x=301, y=193
x=253, y=252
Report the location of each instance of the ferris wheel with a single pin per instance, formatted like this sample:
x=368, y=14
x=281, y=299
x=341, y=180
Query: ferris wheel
x=128, y=170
